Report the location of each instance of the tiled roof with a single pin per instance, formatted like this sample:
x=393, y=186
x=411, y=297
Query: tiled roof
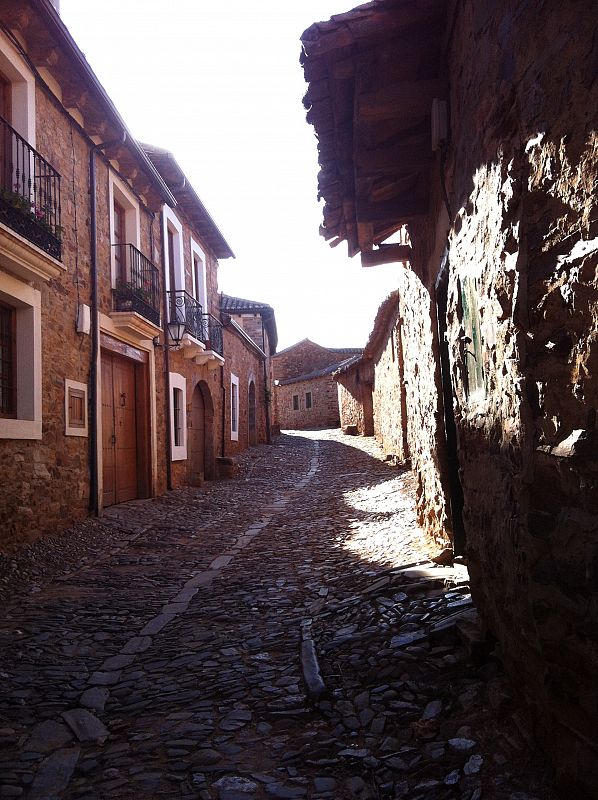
x=321, y=373
x=239, y=305
x=343, y=351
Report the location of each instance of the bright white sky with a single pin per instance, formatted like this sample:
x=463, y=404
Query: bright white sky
x=220, y=85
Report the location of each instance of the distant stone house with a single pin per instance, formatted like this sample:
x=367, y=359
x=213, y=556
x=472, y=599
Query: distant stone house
x=470, y=129
x=258, y=321
x=371, y=388
x=305, y=394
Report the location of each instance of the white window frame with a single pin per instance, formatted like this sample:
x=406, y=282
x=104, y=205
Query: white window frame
x=117, y=190
x=196, y=250
x=22, y=83
x=68, y=429
x=27, y=302
x=178, y=381
x=234, y=393
x=171, y=221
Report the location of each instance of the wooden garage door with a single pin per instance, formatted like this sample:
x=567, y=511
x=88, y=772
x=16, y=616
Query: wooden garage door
x=119, y=430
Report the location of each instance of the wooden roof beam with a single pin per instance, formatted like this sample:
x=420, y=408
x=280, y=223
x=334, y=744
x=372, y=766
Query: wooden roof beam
x=386, y=254
x=403, y=100
x=396, y=211
x=389, y=160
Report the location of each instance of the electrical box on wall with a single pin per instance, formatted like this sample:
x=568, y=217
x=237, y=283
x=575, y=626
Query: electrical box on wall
x=439, y=123
x=83, y=319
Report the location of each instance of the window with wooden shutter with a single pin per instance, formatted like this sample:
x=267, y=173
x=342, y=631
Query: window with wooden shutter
x=76, y=408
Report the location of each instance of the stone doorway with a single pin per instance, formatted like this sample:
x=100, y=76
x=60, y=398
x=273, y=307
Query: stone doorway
x=201, y=435
x=252, y=414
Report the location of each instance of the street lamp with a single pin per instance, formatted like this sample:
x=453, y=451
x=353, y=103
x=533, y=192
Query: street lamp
x=176, y=331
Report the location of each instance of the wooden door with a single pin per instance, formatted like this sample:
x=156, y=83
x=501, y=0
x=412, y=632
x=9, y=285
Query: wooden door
x=197, y=438
x=119, y=430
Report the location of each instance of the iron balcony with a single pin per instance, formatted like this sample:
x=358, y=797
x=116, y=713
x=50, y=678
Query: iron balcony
x=138, y=284
x=29, y=193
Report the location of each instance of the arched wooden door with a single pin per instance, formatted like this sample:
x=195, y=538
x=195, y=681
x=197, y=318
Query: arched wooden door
x=197, y=437
x=252, y=415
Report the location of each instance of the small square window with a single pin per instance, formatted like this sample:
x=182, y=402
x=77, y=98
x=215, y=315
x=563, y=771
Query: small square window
x=76, y=408
x=295, y=402
x=75, y=402
x=307, y=399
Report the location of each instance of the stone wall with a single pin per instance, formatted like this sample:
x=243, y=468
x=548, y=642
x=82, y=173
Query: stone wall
x=324, y=412
x=44, y=484
x=253, y=326
x=242, y=360
x=355, y=398
x=522, y=314
x=390, y=419
x=423, y=400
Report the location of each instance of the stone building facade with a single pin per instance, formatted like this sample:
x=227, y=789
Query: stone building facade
x=98, y=240
x=193, y=371
x=258, y=321
x=371, y=389
x=244, y=380
x=473, y=127
x=305, y=395
x=67, y=322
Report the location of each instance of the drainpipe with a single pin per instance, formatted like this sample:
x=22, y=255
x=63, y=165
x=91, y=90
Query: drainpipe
x=166, y=358
x=267, y=392
x=223, y=409
x=95, y=328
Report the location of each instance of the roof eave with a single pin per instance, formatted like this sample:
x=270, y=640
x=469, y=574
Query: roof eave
x=61, y=32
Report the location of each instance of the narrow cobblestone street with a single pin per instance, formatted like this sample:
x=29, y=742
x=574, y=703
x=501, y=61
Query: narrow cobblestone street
x=167, y=650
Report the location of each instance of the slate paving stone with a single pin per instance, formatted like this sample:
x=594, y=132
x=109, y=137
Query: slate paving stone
x=48, y=736
x=54, y=774
x=85, y=726
x=179, y=634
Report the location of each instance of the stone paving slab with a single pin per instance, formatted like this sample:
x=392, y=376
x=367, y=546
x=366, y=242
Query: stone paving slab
x=279, y=635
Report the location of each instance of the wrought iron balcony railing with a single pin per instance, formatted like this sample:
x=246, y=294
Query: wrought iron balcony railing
x=137, y=283
x=214, y=338
x=29, y=192
x=185, y=308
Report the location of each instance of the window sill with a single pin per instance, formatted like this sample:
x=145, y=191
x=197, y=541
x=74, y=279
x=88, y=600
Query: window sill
x=20, y=428
x=134, y=324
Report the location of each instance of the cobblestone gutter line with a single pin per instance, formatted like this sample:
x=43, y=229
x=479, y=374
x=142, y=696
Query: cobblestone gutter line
x=54, y=773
